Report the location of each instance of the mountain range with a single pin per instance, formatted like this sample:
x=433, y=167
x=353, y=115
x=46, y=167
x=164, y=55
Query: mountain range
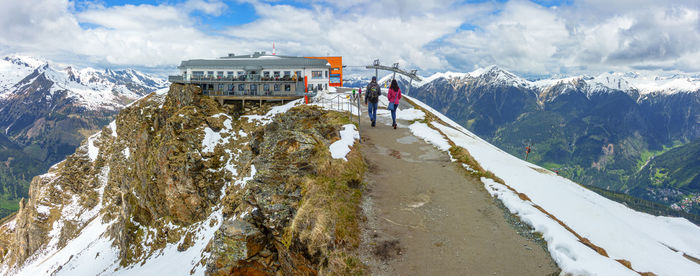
x=597, y=130
x=47, y=109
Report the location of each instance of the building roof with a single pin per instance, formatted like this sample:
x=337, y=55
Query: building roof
x=254, y=61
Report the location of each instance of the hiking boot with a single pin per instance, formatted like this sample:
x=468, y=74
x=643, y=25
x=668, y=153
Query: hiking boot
x=373, y=123
x=394, y=126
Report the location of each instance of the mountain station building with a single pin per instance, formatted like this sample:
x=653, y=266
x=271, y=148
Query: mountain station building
x=259, y=76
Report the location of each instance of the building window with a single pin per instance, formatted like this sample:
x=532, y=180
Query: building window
x=197, y=74
x=221, y=87
x=287, y=87
x=277, y=87
x=253, y=87
x=299, y=75
x=266, y=87
x=229, y=74
x=325, y=86
x=319, y=87
x=287, y=74
x=316, y=74
x=241, y=87
x=230, y=87
x=220, y=74
x=326, y=73
x=276, y=74
x=266, y=74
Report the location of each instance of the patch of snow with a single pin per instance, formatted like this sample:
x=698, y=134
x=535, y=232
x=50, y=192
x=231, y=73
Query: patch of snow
x=113, y=127
x=241, y=183
x=213, y=138
x=423, y=131
x=78, y=254
x=267, y=118
x=171, y=261
x=11, y=224
x=43, y=209
x=410, y=114
x=339, y=149
x=93, y=150
x=230, y=165
x=570, y=255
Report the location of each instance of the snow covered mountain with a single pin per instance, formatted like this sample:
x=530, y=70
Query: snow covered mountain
x=47, y=109
x=176, y=185
x=90, y=88
x=638, y=84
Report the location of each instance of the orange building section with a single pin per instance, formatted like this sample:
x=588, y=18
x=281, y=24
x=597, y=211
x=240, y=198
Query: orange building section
x=336, y=74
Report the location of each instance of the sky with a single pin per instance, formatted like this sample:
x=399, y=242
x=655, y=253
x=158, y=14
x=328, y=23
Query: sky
x=538, y=37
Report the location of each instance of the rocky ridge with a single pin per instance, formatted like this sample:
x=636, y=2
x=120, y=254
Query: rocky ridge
x=179, y=178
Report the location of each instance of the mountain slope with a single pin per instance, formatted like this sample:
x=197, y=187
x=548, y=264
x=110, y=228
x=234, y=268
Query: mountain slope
x=47, y=110
x=594, y=130
x=675, y=170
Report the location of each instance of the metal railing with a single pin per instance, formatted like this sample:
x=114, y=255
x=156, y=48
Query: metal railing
x=344, y=102
x=245, y=78
x=252, y=93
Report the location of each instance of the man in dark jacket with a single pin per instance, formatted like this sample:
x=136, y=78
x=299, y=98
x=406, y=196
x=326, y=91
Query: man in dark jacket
x=371, y=99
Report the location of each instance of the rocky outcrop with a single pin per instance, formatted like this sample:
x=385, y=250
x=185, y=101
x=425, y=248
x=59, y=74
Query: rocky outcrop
x=181, y=170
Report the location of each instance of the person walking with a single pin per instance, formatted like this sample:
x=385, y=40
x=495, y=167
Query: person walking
x=394, y=96
x=372, y=99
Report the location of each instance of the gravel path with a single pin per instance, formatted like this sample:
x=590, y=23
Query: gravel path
x=425, y=216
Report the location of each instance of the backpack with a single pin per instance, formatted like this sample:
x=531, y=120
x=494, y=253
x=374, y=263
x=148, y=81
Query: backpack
x=373, y=93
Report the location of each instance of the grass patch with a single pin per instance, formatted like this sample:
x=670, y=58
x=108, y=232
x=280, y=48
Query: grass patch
x=462, y=155
x=327, y=221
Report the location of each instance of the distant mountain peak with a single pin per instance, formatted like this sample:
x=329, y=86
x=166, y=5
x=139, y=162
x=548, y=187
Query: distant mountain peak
x=26, y=61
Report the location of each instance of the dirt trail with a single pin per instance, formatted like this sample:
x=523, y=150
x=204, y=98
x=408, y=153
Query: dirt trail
x=425, y=216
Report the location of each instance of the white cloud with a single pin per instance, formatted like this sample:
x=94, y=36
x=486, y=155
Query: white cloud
x=588, y=35
x=211, y=7
x=529, y=38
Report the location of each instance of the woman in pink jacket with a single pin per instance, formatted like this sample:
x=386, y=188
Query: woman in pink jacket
x=394, y=96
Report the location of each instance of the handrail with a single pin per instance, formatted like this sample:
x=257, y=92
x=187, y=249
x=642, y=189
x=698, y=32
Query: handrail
x=343, y=106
